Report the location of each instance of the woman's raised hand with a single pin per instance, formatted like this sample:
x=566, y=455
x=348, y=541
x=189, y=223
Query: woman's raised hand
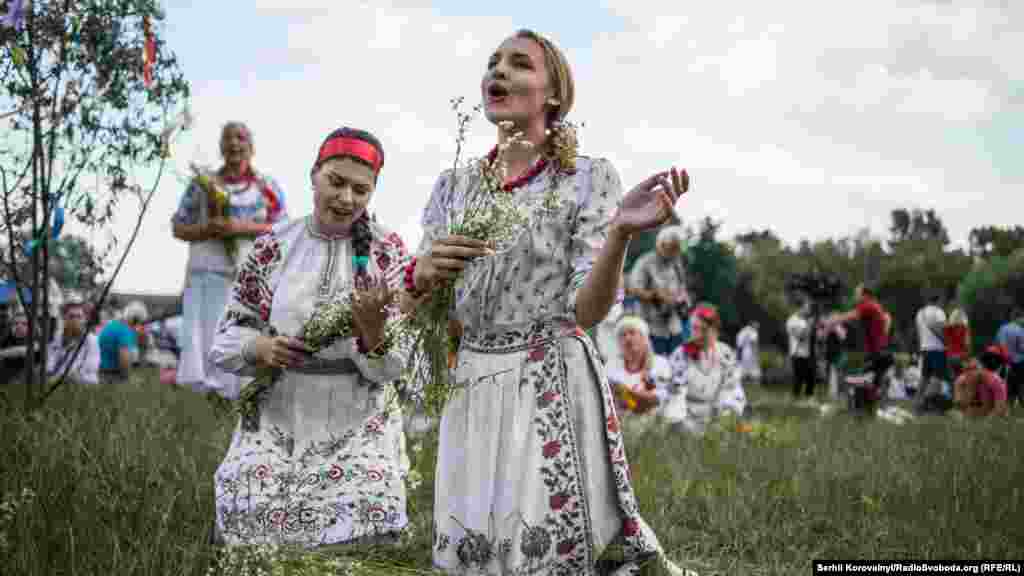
x=447, y=259
x=650, y=203
x=370, y=313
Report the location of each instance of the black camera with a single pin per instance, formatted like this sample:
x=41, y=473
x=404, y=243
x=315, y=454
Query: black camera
x=820, y=287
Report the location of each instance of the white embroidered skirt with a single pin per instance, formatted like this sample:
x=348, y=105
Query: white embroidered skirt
x=532, y=475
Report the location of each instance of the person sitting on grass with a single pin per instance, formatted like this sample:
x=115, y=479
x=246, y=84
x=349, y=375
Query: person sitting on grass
x=85, y=365
x=639, y=377
x=706, y=378
x=979, y=391
x=119, y=342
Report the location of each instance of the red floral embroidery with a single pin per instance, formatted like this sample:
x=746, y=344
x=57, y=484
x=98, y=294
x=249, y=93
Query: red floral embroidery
x=557, y=501
x=374, y=475
x=613, y=424
x=278, y=517
x=547, y=398
x=630, y=527
x=538, y=354
x=552, y=448
x=335, y=473
x=383, y=260
x=262, y=472
x=566, y=547
x=252, y=290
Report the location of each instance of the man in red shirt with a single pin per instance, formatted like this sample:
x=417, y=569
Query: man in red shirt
x=875, y=323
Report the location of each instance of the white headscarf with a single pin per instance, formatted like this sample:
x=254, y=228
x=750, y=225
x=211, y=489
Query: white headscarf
x=635, y=322
x=670, y=233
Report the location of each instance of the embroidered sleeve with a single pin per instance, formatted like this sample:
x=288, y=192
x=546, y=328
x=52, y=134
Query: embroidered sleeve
x=386, y=363
x=589, y=229
x=248, y=310
x=435, y=216
x=189, y=209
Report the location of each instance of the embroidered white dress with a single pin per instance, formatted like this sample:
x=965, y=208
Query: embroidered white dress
x=532, y=476
x=747, y=346
x=209, y=274
x=660, y=373
x=705, y=387
x=323, y=461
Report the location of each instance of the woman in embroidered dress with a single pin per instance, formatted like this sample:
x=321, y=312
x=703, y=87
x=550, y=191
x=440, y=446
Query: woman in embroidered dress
x=532, y=475
x=322, y=460
x=640, y=378
x=255, y=204
x=706, y=378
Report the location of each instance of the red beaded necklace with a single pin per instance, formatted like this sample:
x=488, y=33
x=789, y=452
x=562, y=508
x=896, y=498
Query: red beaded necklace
x=524, y=178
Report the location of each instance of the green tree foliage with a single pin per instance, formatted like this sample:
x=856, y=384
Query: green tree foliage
x=714, y=273
x=989, y=292
x=988, y=241
x=79, y=118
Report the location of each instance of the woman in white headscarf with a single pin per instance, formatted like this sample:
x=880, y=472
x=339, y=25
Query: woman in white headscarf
x=639, y=377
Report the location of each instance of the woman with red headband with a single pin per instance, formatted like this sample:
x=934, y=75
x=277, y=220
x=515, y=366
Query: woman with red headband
x=255, y=203
x=532, y=476
x=321, y=460
x=706, y=378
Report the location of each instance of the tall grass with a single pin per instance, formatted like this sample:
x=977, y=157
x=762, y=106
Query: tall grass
x=119, y=481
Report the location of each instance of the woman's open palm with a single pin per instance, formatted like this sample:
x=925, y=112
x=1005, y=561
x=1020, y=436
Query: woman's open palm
x=650, y=203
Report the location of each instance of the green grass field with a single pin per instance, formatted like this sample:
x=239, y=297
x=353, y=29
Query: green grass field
x=118, y=480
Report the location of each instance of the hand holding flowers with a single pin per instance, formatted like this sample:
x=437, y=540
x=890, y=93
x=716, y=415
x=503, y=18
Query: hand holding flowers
x=447, y=258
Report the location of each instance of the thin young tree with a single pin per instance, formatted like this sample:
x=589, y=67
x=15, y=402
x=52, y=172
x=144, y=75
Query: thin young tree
x=86, y=92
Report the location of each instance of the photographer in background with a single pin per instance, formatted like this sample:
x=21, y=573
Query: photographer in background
x=658, y=281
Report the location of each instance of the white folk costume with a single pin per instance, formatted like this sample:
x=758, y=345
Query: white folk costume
x=706, y=384
x=747, y=346
x=210, y=272
x=659, y=371
x=323, y=461
x=532, y=476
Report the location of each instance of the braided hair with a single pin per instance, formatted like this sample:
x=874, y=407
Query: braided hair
x=362, y=236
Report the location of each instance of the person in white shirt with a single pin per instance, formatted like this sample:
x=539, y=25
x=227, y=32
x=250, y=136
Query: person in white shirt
x=798, y=327
x=749, y=353
x=930, y=321
x=85, y=366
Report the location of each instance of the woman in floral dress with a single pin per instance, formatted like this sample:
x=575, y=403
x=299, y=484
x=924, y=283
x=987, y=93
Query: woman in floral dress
x=255, y=204
x=532, y=475
x=322, y=460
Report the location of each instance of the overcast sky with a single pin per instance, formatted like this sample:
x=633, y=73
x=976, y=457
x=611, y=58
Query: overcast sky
x=813, y=118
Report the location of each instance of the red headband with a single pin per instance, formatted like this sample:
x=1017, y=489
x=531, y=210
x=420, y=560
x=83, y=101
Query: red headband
x=706, y=313
x=342, y=146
